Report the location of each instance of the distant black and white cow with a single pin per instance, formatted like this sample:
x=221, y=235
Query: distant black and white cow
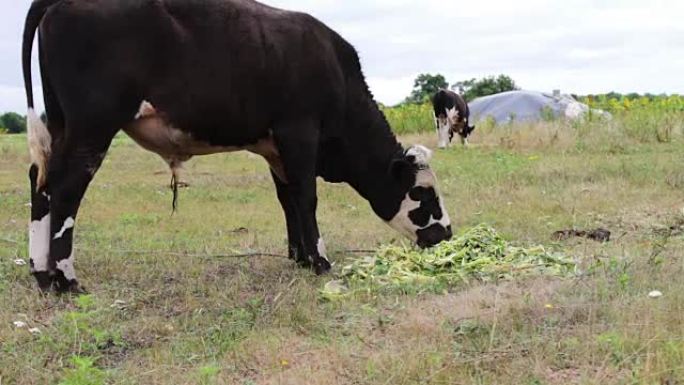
x=186, y=78
x=451, y=116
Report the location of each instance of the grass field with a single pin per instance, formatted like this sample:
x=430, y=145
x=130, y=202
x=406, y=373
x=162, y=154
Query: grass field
x=167, y=305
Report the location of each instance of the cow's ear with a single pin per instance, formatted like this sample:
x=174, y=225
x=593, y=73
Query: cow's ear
x=471, y=129
x=419, y=155
x=403, y=171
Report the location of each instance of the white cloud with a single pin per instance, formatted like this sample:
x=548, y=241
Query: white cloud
x=579, y=46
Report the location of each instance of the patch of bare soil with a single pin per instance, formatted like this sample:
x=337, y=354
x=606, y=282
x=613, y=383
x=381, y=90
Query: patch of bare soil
x=598, y=235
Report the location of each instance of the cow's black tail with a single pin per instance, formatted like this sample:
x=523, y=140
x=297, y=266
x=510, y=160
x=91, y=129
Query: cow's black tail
x=38, y=136
x=33, y=18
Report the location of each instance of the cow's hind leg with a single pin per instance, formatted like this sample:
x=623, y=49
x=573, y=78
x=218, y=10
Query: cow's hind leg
x=72, y=166
x=297, y=143
x=39, y=230
x=40, y=141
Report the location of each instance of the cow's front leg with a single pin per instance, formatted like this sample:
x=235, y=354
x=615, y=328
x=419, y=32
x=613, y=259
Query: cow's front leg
x=294, y=234
x=297, y=144
x=70, y=172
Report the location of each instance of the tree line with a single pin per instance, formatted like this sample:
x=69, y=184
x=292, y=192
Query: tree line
x=12, y=123
x=427, y=85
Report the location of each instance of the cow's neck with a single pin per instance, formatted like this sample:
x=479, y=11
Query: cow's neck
x=371, y=148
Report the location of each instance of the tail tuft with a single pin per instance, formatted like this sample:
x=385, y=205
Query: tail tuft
x=39, y=141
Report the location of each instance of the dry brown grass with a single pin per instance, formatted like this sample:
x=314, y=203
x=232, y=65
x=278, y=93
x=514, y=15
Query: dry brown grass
x=194, y=319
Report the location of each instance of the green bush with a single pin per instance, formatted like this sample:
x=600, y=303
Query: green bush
x=410, y=118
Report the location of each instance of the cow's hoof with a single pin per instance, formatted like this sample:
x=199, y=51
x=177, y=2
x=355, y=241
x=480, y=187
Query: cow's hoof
x=72, y=287
x=322, y=266
x=44, y=280
x=299, y=257
x=304, y=263
x=56, y=282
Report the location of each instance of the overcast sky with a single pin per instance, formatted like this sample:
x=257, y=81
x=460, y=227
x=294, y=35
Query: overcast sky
x=578, y=46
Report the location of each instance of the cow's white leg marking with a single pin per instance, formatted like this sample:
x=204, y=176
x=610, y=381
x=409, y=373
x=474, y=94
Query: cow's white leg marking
x=66, y=266
x=39, y=243
x=68, y=224
x=322, y=250
x=40, y=144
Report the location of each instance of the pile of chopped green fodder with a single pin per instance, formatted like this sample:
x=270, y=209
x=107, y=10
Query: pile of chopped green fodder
x=479, y=253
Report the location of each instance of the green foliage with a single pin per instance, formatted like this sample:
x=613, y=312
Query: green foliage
x=13, y=122
x=84, y=372
x=479, y=253
x=207, y=374
x=616, y=103
x=547, y=114
x=644, y=118
x=474, y=88
x=84, y=330
x=85, y=302
x=425, y=86
x=410, y=118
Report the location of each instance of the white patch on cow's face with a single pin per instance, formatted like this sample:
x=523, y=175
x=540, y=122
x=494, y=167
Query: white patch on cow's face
x=66, y=266
x=40, y=145
x=39, y=243
x=68, y=224
x=321, y=249
x=402, y=221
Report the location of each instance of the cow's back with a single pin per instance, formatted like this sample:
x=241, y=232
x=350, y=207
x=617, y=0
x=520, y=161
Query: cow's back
x=223, y=69
x=445, y=100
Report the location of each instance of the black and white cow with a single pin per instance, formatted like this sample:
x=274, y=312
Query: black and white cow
x=451, y=114
x=186, y=78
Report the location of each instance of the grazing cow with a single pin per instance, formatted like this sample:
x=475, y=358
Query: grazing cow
x=451, y=116
x=186, y=78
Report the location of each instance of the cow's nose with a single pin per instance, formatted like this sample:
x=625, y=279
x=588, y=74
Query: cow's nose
x=433, y=235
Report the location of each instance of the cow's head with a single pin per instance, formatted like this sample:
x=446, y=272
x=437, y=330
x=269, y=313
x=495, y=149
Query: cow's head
x=419, y=212
x=467, y=130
